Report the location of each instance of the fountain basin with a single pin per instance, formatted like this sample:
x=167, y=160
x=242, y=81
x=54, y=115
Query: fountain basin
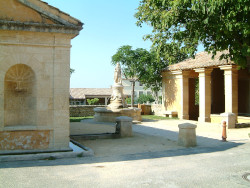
x=109, y=115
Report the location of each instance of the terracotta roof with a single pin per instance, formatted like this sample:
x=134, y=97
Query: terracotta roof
x=81, y=93
x=201, y=60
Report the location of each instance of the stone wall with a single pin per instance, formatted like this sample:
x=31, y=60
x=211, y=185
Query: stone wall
x=156, y=109
x=83, y=110
x=88, y=110
x=24, y=139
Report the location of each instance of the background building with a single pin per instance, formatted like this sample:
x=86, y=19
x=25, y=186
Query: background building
x=139, y=89
x=223, y=87
x=79, y=96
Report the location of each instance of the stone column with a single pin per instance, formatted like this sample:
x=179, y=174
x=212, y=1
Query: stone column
x=183, y=77
x=164, y=107
x=106, y=100
x=204, y=94
x=231, y=88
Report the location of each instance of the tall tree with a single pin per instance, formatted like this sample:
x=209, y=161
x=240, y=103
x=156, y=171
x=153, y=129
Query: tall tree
x=150, y=73
x=131, y=61
x=218, y=24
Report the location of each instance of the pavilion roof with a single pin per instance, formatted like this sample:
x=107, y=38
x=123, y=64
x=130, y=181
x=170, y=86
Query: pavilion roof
x=201, y=60
x=82, y=93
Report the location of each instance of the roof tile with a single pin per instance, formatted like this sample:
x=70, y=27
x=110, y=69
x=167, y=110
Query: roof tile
x=201, y=60
x=81, y=93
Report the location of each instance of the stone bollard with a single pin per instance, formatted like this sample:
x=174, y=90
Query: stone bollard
x=187, y=135
x=230, y=119
x=124, y=126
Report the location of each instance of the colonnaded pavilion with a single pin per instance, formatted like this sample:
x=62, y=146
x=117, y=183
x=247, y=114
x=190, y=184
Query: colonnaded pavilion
x=223, y=87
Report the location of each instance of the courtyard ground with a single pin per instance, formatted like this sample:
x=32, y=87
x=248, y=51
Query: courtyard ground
x=154, y=135
x=151, y=158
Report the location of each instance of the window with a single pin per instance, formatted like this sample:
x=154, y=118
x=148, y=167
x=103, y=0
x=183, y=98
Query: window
x=140, y=84
x=140, y=93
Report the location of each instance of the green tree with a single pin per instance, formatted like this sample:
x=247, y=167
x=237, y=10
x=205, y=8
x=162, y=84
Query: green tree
x=180, y=25
x=145, y=66
x=150, y=73
x=128, y=100
x=145, y=98
x=131, y=61
x=92, y=101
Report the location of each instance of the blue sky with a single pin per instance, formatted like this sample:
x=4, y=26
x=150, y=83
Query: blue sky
x=108, y=24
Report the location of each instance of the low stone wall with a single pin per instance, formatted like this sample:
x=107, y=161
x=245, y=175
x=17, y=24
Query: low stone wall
x=88, y=110
x=156, y=109
x=82, y=110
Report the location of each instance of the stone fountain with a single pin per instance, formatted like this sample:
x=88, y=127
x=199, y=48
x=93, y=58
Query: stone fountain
x=117, y=106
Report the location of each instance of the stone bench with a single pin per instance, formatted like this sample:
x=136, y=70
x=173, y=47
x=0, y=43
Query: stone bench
x=171, y=113
x=187, y=135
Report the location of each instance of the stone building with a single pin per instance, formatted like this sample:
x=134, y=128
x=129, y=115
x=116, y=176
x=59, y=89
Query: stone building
x=223, y=87
x=79, y=96
x=138, y=90
x=35, y=42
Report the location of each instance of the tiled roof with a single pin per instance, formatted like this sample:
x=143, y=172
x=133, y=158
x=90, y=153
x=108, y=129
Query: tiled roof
x=202, y=60
x=81, y=93
x=58, y=11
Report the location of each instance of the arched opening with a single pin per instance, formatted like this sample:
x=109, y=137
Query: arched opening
x=19, y=96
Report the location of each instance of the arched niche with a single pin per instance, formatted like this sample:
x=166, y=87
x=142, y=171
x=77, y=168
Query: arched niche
x=19, y=96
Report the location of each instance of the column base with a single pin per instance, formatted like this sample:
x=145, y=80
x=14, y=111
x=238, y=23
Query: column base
x=185, y=117
x=204, y=119
x=230, y=119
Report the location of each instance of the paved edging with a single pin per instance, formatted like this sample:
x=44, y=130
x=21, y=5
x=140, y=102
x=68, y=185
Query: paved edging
x=87, y=152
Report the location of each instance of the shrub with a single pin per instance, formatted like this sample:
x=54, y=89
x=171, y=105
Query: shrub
x=92, y=101
x=145, y=98
x=128, y=100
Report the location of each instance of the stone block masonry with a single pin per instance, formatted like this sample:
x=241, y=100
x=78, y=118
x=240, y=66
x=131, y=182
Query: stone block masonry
x=157, y=109
x=83, y=110
x=35, y=43
x=24, y=140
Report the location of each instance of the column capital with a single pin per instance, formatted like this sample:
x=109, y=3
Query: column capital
x=204, y=70
x=228, y=67
x=181, y=72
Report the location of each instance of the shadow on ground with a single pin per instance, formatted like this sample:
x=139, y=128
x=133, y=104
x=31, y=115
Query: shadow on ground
x=205, y=145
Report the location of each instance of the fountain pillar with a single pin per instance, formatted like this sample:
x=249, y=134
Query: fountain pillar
x=117, y=106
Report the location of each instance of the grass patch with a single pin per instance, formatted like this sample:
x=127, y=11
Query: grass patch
x=153, y=117
x=78, y=119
